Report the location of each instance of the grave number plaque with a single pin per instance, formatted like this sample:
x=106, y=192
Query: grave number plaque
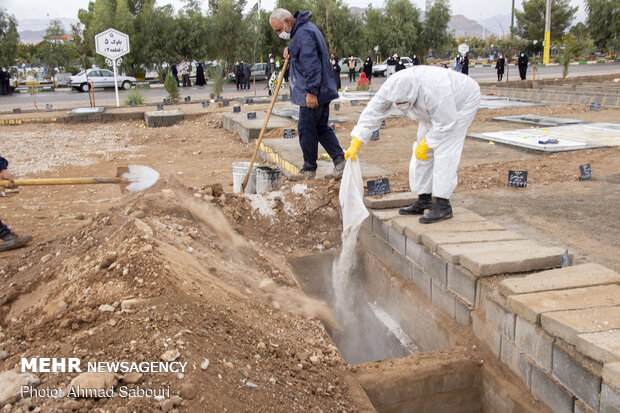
x=336, y=106
x=236, y=109
x=188, y=98
x=378, y=187
x=132, y=103
x=595, y=107
x=517, y=179
x=585, y=172
x=382, y=125
x=289, y=133
x=375, y=135
x=249, y=101
x=160, y=107
x=225, y=103
x=205, y=104
x=252, y=115
x=166, y=101
x=17, y=110
x=354, y=103
x=48, y=107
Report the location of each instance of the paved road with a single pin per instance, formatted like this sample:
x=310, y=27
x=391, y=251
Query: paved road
x=64, y=98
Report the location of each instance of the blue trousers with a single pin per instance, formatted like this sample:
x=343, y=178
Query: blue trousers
x=313, y=129
x=3, y=230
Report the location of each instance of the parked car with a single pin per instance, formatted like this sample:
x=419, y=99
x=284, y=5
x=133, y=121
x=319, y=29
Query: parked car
x=381, y=68
x=259, y=71
x=344, y=64
x=100, y=78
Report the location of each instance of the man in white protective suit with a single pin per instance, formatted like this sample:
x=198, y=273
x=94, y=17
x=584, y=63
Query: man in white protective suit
x=444, y=103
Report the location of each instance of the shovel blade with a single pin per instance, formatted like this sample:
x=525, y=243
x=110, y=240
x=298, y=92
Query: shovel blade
x=138, y=177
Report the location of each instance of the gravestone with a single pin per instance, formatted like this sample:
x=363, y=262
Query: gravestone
x=132, y=103
x=205, y=104
x=160, y=107
x=289, y=133
x=354, y=102
x=595, y=107
x=378, y=187
x=585, y=172
x=382, y=125
x=375, y=135
x=166, y=101
x=236, y=109
x=517, y=179
x=251, y=115
x=48, y=107
x=336, y=106
x=17, y=110
x=188, y=98
x=249, y=101
x=225, y=103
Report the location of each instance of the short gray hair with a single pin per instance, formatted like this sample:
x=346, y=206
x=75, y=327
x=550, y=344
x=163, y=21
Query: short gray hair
x=280, y=15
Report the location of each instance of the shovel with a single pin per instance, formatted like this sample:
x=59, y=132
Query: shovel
x=262, y=131
x=132, y=178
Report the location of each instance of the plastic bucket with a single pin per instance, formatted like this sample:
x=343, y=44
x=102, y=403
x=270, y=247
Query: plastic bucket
x=239, y=171
x=267, y=179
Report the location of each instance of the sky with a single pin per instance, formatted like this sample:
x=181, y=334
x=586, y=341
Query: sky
x=472, y=9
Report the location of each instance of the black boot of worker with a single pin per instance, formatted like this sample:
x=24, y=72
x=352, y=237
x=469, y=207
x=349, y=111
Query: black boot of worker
x=425, y=201
x=442, y=210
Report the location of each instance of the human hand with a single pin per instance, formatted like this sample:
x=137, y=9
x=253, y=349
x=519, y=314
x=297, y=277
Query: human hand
x=421, y=150
x=311, y=101
x=355, y=146
x=6, y=175
x=285, y=54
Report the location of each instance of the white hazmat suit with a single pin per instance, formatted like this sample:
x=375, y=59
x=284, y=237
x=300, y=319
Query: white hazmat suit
x=444, y=103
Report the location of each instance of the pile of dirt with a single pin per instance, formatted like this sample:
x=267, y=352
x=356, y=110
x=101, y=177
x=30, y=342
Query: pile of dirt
x=163, y=276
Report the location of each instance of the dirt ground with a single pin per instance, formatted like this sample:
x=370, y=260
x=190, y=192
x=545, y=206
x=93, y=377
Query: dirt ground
x=205, y=270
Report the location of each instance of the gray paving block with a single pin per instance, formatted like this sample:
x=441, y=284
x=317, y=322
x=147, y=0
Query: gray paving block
x=517, y=260
x=421, y=280
x=518, y=364
x=575, y=276
x=461, y=283
x=501, y=318
x=462, y=312
x=557, y=399
x=610, y=400
x=465, y=222
x=384, y=253
x=397, y=241
x=367, y=240
x=443, y=299
x=531, y=306
x=403, y=267
x=569, y=324
x=391, y=200
x=432, y=265
x=452, y=252
x=603, y=346
x=576, y=378
x=611, y=375
x=488, y=335
x=380, y=228
x=433, y=239
x=534, y=342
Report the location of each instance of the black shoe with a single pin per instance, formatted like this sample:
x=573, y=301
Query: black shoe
x=425, y=201
x=339, y=169
x=442, y=210
x=303, y=174
x=13, y=241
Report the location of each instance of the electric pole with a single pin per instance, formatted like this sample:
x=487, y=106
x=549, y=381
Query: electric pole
x=512, y=21
x=547, y=33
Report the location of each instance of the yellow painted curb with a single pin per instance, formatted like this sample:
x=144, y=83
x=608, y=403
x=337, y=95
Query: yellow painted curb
x=274, y=156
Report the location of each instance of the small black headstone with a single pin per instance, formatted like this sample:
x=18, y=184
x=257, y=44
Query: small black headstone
x=251, y=115
x=382, y=125
x=336, y=106
x=289, y=133
x=132, y=103
x=219, y=99
x=517, y=179
x=565, y=259
x=166, y=101
x=595, y=107
x=17, y=110
x=205, y=104
x=236, y=109
x=375, y=135
x=249, y=101
x=48, y=107
x=284, y=96
x=354, y=103
x=188, y=98
x=378, y=187
x=225, y=103
x=160, y=107
x=585, y=172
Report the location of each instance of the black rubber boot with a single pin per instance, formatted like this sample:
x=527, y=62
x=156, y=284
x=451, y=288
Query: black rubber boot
x=425, y=201
x=442, y=210
x=13, y=241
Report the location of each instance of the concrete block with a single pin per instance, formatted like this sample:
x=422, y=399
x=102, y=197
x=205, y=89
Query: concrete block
x=488, y=335
x=421, y=280
x=367, y=223
x=501, y=318
x=380, y=228
x=534, y=342
x=603, y=346
x=610, y=400
x=453, y=252
x=462, y=312
x=517, y=260
x=163, y=118
x=463, y=223
x=433, y=239
x=386, y=214
x=384, y=253
x=461, y=283
x=397, y=241
x=580, y=407
x=576, y=378
x=401, y=222
x=557, y=399
x=518, y=364
x=582, y=275
x=367, y=240
x=443, y=299
x=392, y=200
x=611, y=375
x=403, y=267
x=430, y=263
x=531, y=306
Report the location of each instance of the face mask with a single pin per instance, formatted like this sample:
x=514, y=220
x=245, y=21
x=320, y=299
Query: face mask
x=284, y=35
x=403, y=107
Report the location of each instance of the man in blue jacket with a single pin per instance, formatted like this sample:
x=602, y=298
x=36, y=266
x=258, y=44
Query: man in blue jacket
x=8, y=239
x=313, y=87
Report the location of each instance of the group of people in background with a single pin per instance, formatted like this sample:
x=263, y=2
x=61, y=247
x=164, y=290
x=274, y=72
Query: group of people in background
x=5, y=81
x=461, y=63
x=522, y=63
x=186, y=70
x=243, y=72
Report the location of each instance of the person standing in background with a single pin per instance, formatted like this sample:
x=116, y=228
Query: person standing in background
x=368, y=69
x=499, y=66
x=465, y=67
x=270, y=70
x=522, y=63
x=175, y=72
x=351, y=63
x=336, y=67
x=416, y=61
x=200, y=75
x=458, y=63
x=238, y=71
x=247, y=74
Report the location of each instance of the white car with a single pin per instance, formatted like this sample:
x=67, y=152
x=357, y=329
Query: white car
x=100, y=78
x=381, y=68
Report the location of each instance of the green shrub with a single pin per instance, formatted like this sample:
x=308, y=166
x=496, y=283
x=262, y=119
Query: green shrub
x=215, y=75
x=134, y=95
x=172, y=88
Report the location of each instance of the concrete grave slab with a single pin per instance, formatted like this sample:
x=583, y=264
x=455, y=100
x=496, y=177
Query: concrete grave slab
x=497, y=102
x=569, y=324
x=533, y=119
x=294, y=114
x=523, y=259
x=462, y=222
x=86, y=111
x=531, y=306
x=453, y=252
x=611, y=375
x=575, y=276
x=392, y=200
x=287, y=154
x=603, y=346
x=433, y=239
x=163, y=118
x=248, y=129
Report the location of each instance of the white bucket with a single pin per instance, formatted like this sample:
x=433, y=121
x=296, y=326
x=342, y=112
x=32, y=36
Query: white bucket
x=239, y=171
x=267, y=179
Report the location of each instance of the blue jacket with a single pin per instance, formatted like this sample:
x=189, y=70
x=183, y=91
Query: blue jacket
x=311, y=70
x=3, y=163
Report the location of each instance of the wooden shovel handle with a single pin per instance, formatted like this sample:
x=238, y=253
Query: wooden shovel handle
x=64, y=181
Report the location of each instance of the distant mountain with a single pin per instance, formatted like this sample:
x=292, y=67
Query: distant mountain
x=32, y=30
x=462, y=26
x=499, y=24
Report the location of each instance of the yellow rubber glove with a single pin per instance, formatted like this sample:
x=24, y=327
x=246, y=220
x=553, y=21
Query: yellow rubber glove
x=421, y=150
x=355, y=146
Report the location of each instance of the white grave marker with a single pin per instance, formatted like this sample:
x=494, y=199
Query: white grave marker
x=112, y=44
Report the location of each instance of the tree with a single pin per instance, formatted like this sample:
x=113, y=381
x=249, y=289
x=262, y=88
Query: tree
x=9, y=39
x=531, y=21
x=435, y=28
x=403, y=27
x=56, y=51
x=227, y=28
x=603, y=23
